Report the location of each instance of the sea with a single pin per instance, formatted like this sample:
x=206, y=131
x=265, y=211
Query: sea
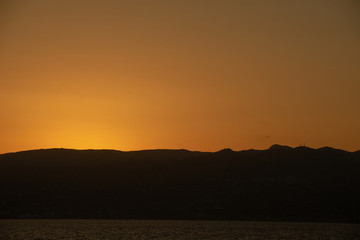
x=159, y=229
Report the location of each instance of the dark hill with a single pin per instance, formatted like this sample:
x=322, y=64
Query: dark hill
x=281, y=183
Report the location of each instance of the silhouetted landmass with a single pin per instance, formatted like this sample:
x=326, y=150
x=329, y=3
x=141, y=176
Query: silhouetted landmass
x=278, y=184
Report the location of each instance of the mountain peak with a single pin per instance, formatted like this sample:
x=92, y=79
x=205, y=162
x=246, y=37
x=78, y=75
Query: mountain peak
x=226, y=150
x=280, y=147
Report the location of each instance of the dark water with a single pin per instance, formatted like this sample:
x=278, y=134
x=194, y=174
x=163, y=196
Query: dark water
x=122, y=229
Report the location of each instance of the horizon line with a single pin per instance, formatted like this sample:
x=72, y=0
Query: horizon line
x=174, y=149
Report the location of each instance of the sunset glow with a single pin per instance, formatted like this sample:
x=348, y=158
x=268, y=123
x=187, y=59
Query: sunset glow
x=199, y=75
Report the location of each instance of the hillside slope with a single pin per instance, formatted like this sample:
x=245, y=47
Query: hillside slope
x=281, y=183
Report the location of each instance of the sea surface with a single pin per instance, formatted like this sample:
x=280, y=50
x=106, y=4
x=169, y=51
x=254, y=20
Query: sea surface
x=149, y=229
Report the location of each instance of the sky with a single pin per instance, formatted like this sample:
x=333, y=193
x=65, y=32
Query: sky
x=201, y=74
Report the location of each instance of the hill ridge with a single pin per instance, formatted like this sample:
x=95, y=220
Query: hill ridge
x=272, y=147
x=276, y=184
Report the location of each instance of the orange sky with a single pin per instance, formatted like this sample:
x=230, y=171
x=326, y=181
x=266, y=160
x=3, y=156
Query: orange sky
x=200, y=75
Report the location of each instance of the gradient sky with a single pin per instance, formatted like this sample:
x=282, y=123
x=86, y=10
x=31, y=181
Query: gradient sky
x=201, y=75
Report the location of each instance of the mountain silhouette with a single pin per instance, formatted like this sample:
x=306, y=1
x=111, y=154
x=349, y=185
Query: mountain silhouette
x=277, y=184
